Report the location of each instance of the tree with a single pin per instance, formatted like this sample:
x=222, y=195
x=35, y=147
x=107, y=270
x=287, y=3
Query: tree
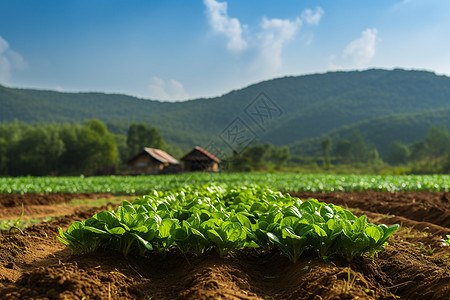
x=37, y=152
x=122, y=149
x=446, y=165
x=438, y=141
x=419, y=150
x=374, y=157
x=89, y=148
x=140, y=136
x=3, y=156
x=398, y=153
x=326, y=146
x=277, y=155
x=72, y=159
x=360, y=148
x=249, y=159
x=343, y=150
x=98, y=146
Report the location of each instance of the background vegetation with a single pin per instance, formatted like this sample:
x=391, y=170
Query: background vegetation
x=370, y=121
x=90, y=149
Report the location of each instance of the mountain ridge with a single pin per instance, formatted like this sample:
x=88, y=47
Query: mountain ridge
x=312, y=105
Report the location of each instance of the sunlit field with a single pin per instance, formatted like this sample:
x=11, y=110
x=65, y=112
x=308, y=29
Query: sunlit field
x=281, y=181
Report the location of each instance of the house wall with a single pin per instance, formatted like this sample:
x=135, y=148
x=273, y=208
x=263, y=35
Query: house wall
x=200, y=165
x=145, y=165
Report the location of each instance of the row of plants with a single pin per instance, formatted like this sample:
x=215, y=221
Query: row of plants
x=293, y=182
x=227, y=218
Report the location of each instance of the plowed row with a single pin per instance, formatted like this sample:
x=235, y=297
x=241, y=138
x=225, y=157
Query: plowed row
x=414, y=266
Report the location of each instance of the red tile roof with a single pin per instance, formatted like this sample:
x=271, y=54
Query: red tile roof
x=161, y=156
x=203, y=151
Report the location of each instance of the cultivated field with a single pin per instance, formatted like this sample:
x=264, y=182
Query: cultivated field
x=415, y=264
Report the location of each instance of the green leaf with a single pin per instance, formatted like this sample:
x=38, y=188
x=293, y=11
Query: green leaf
x=145, y=243
x=64, y=241
x=165, y=227
x=274, y=239
x=197, y=233
x=292, y=211
x=288, y=222
x=141, y=228
x=116, y=230
x=374, y=233
x=326, y=212
x=234, y=231
x=359, y=225
x=95, y=230
x=244, y=220
x=310, y=205
x=107, y=217
x=215, y=237
x=290, y=232
x=318, y=231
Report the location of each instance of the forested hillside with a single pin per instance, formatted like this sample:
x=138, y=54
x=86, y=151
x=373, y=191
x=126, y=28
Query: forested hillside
x=381, y=131
x=385, y=105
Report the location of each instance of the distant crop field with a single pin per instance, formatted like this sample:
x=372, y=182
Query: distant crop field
x=131, y=185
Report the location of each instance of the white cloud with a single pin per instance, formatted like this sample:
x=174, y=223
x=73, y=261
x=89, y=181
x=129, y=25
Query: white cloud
x=9, y=60
x=359, y=52
x=268, y=44
x=400, y=4
x=221, y=23
x=312, y=17
x=3, y=45
x=275, y=34
x=171, y=90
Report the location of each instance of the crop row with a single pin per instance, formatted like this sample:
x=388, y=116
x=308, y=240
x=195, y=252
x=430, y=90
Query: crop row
x=224, y=218
x=140, y=185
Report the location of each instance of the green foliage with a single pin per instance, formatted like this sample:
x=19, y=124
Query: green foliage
x=259, y=157
x=384, y=105
x=438, y=141
x=326, y=147
x=140, y=136
x=382, y=131
x=250, y=158
x=446, y=240
x=278, y=156
x=419, y=150
x=227, y=218
x=294, y=182
x=36, y=152
x=343, y=150
x=3, y=157
x=398, y=153
x=51, y=149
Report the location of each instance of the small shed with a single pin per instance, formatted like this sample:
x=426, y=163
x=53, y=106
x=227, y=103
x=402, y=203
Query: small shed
x=153, y=161
x=198, y=159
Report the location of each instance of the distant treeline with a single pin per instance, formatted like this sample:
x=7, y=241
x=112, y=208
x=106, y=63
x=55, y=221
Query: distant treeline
x=70, y=148
x=89, y=148
x=428, y=155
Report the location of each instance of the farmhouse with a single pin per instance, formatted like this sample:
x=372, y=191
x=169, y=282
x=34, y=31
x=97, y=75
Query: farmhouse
x=198, y=159
x=153, y=161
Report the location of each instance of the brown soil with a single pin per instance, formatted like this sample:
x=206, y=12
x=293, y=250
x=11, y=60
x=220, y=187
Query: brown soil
x=38, y=206
x=15, y=200
x=414, y=266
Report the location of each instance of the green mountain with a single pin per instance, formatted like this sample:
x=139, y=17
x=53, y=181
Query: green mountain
x=381, y=131
x=381, y=103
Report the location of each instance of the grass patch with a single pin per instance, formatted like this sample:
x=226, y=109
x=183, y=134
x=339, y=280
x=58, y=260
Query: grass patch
x=22, y=224
x=99, y=201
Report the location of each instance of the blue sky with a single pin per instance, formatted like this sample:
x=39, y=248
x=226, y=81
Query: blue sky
x=176, y=50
